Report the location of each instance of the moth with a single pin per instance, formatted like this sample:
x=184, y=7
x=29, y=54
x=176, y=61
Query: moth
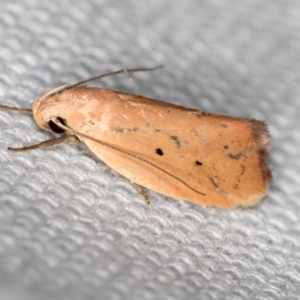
x=180, y=152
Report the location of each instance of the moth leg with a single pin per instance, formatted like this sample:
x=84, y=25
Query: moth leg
x=73, y=140
x=70, y=139
x=142, y=191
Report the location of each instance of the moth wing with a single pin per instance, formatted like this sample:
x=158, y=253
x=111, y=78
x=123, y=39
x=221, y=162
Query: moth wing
x=183, y=153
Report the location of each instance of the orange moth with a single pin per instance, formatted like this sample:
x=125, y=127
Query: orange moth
x=180, y=152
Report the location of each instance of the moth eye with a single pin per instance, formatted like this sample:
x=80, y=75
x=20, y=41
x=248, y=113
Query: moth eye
x=56, y=128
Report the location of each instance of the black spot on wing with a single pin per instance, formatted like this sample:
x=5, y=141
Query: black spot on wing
x=159, y=152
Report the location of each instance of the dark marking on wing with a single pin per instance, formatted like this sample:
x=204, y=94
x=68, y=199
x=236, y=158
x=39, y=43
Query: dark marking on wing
x=243, y=169
x=198, y=163
x=213, y=182
x=223, y=125
x=118, y=129
x=200, y=114
x=237, y=155
x=122, y=129
x=159, y=151
x=176, y=140
x=239, y=179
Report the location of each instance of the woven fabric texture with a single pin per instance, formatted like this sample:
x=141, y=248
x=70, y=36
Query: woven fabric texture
x=71, y=228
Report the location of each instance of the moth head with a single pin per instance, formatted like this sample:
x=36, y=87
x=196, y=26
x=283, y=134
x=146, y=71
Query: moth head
x=45, y=108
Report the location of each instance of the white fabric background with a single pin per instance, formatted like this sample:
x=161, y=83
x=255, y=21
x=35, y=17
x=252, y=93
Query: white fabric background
x=70, y=228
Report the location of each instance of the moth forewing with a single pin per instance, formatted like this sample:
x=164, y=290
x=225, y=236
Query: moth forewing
x=180, y=152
